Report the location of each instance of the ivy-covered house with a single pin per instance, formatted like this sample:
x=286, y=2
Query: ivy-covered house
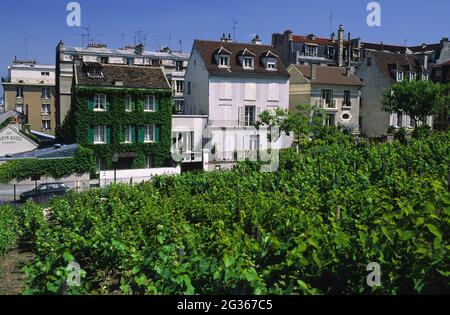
x=122, y=113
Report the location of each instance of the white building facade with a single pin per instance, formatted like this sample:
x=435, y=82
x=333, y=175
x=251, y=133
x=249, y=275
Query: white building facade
x=232, y=83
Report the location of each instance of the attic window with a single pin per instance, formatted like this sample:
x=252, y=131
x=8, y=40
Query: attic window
x=249, y=63
x=412, y=76
x=224, y=61
x=95, y=72
x=118, y=82
x=399, y=76
x=271, y=64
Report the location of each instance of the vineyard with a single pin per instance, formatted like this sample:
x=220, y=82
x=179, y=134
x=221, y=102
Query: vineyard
x=312, y=227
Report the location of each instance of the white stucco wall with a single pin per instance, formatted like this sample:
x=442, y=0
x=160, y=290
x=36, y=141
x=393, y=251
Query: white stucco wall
x=12, y=141
x=196, y=103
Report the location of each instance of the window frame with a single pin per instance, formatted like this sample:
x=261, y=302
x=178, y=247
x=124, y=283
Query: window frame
x=249, y=116
x=44, y=93
x=146, y=104
x=103, y=139
x=44, y=124
x=347, y=98
x=97, y=98
x=223, y=58
x=128, y=137
x=147, y=138
x=128, y=104
x=252, y=63
x=45, y=112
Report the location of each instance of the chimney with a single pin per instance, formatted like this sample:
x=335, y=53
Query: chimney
x=289, y=34
x=382, y=46
x=425, y=61
x=313, y=71
x=256, y=40
x=139, y=49
x=333, y=37
x=349, y=50
x=224, y=39
x=341, y=46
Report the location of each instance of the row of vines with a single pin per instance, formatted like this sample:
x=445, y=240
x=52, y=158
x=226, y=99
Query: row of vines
x=312, y=227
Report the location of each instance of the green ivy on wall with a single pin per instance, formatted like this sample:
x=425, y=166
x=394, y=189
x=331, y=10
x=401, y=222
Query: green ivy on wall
x=80, y=121
x=82, y=162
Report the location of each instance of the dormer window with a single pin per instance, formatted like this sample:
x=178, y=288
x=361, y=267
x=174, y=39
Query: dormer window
x=438, y=73
x=271, y=64
x=224, y=61
x=269, y=60
x=425, y=76
x=223, y=58
x=412, y=76
x=311, y=50
x=95, y=72
x=249, y=63
x=399, y=76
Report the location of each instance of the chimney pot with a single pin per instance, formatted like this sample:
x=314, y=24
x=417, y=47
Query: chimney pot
x=313, y=71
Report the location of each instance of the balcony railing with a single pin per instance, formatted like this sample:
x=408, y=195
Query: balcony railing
x=322, y=103
x=45, y=100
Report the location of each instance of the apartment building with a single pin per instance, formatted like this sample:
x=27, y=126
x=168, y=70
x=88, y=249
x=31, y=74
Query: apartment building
x=232, y=83
x=379, y=71
x=334, y=51
x=30, y=89
x=123, y=113
x=173, y=64
x=335, y=90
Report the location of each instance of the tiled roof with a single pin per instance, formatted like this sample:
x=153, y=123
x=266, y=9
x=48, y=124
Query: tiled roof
x=329, y=75
x=208, y=49
x=425, y=47
x=132, y=77
x=390, y=61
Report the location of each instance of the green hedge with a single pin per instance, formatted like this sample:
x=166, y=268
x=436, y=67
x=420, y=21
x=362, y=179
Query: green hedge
x=82, y=162
x=82, y=118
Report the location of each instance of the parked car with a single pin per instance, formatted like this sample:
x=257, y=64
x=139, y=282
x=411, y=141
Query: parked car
x=44, y=192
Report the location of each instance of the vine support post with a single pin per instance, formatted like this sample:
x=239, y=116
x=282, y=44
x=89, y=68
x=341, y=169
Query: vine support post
x=15, y=192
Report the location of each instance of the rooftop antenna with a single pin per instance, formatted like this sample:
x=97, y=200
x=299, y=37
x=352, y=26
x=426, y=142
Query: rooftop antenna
x=156, y=44
x=331, y=21
x=122, y=35
x=99, y=38
x=84, y=35
x=181, y=46
x=26, y=47
x=404, y=44
x=235, y=23
x=170, y=40
x=144, y=39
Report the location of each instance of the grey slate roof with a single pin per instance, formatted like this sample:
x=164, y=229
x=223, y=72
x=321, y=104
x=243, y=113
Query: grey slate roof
x=126, y=53
x=66, y=151
x=132, y=77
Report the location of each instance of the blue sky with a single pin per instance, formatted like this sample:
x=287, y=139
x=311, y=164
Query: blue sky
x=43, y=22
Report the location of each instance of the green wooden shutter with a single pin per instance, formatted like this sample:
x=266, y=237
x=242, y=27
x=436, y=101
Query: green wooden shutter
x=133, y=103
x=107, y=105
x=122, y=134
x=91, y=105
x=133, y=134
x=141, y=134
x=156, y=104
x=90, y=135
x=108, y=135
x=157, y=133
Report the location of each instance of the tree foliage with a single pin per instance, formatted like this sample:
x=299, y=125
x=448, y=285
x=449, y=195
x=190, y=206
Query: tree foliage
x=416, y=98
